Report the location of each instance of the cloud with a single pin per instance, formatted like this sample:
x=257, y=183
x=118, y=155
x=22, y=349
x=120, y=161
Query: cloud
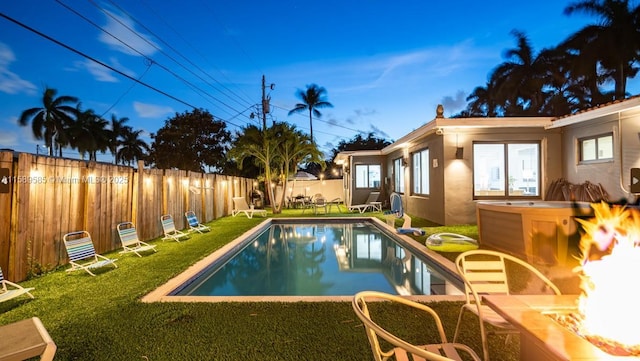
x=121, y=35
x=99, y=72
x=151, y=110
x=454, y=104
x=10, y=82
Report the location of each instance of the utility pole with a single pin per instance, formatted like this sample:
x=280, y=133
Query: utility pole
x=265, y=102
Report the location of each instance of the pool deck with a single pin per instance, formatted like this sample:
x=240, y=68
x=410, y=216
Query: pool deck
x=162, y=293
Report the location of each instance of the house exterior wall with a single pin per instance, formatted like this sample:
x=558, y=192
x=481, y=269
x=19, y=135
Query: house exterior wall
x=356, y=195
x=613, y=175
x=451, y=198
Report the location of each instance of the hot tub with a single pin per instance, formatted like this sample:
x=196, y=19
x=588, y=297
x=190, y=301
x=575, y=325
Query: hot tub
x=538, y=231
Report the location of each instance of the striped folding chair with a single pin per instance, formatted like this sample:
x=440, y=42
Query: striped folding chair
x=82, y=254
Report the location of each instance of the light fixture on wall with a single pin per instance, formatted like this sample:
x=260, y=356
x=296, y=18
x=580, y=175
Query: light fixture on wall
x=459, y=150
x=405, y=162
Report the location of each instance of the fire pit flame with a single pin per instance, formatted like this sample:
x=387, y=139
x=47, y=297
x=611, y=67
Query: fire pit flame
x=609, y=306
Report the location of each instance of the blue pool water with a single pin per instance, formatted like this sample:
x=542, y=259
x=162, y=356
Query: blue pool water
x=319, y=259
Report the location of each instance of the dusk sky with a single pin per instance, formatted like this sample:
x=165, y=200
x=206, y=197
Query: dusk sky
x=385, y=65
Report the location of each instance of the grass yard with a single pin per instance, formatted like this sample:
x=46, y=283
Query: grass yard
x=101, y=318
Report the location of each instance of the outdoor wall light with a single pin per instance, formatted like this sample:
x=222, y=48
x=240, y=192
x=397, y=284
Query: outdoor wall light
x=459, y=152
x=405, y=162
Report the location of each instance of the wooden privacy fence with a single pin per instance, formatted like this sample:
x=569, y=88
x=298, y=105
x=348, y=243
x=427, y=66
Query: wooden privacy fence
x=42, y=198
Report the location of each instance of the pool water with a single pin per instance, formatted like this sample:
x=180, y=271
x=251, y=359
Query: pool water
x=319, y=259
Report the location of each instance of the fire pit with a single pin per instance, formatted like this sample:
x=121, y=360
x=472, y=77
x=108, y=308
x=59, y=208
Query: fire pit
x=541, y=337
x=603, y=322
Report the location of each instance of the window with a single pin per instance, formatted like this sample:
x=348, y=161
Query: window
x=510, y=169
x=369, y=246
x=421, y=172
x=596, y=148
x=368, y=176
x=398, y=175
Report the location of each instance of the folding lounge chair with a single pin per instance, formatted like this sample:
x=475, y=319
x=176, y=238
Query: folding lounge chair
x=401, y=349
x=9, y=290
x=371, y=203
x=397, y=211
x=25, y=340
x=240, y=206
x=484, y=272
x=194, y=225
x=130, y=241
x=82, y=255
x=169, y=229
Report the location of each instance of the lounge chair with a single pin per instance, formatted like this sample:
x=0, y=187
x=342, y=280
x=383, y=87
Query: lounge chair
x=240, y=206
x=169, y=229
x=371, y=203
x=194, y=224
x=403, y=350
x=9, y=290
x=25, y=340
x=130, y=241
x=397, y=211
x=484, y=272
x=82, y=254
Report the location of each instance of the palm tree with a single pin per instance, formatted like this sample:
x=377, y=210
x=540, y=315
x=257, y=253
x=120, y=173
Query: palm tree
x=294, y=148
x=131, y=148
x=89, y=133
x=615, y=40
x=119, y=130
x=49, y=121
x=278, y=150
x=313, y=98
x=519, y=82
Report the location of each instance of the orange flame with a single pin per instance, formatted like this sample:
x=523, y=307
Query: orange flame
x=610, y=250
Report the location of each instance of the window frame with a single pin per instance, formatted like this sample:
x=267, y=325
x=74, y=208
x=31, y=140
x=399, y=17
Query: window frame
x=506, y=162
x=597, y=138
x=398, y=175
x=368, y=173
x=421, y=172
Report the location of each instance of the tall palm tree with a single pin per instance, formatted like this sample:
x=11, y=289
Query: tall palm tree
x=119, y=130
x=49, y=121
x=131, y=148
x=313, y=98
x=518, y=80
x=615, y=39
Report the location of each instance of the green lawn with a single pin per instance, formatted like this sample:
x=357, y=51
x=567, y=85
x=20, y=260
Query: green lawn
x=101, y=318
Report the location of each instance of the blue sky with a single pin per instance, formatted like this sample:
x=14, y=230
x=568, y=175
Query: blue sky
x=386, y=65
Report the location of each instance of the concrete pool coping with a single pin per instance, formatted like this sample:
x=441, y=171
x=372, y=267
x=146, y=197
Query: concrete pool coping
x=162, y=293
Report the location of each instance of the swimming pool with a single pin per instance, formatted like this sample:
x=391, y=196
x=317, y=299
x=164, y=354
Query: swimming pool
x=312, y=258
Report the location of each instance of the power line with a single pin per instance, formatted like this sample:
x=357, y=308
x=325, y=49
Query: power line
x=78, y=52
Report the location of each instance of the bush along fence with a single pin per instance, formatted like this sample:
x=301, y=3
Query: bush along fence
x=42, y=198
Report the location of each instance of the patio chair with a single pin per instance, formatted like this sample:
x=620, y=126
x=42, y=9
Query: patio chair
x=240, y=206
x=484, y=272
x=397, y=211
x=130, y=242
x=9, y=290
x=371, y=203
x=403, y=350
x=82, y=254
x=194, y=224
x=26, y=339
x=169, y=229
x=319, y=202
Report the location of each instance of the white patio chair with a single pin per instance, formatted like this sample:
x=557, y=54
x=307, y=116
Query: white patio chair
x=130, y=242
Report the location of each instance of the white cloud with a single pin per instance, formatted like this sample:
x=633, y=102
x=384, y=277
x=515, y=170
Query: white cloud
x=151, y=110
x=126, y=38
x=11, y=82
x=99, y=72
